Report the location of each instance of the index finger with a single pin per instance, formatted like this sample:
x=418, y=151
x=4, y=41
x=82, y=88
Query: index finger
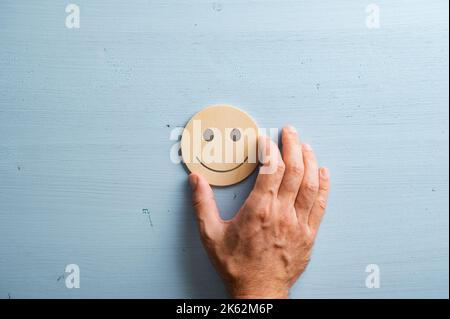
x=271, y=172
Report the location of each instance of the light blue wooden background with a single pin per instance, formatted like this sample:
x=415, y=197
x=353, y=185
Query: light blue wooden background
x=84, y=139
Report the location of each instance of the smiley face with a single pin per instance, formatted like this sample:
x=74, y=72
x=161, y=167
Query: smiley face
x=220, y=143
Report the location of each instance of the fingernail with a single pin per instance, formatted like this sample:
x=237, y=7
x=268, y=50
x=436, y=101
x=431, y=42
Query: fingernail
x=307, y=147
x=290, y=128
x=193, y=180
x=324, y=172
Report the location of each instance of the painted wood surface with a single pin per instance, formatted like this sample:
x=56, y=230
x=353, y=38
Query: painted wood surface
x=86, y=115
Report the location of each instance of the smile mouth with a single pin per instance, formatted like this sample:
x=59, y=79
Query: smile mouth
x=222, y=171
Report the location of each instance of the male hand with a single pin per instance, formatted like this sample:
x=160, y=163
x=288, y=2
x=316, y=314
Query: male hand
x=263, y=250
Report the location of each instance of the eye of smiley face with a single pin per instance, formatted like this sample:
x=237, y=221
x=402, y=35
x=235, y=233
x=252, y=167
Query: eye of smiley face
x=208, y=135
x=220, y=143
x=235, y=135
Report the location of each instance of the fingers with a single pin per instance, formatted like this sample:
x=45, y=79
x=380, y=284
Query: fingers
x=292, y=157
x=309, y=187
x=320, y=204
x=272, y=170
x=208, y=216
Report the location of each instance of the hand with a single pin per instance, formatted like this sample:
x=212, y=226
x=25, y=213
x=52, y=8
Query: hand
x=263, y=250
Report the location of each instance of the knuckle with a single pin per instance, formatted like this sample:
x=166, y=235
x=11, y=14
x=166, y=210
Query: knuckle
x=280, y=166
x=324, y=187
x=295, y=168
x=262, y=213
x=322, y=202
x=271, y=191
x=311, y=187
x=197, y=202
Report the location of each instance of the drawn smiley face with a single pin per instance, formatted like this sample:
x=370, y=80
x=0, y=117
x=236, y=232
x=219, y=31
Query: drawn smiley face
x=220, y=143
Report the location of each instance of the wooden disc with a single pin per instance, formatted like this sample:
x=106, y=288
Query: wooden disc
x=220, y=143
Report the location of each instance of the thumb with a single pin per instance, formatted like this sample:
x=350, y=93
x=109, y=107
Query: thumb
x=208, y=217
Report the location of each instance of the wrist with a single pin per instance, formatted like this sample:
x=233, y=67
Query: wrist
x=242, y=293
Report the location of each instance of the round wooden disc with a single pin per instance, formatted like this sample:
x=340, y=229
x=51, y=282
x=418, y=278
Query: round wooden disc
x=220, y=143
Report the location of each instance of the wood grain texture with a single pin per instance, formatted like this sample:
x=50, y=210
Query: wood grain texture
x=85, y=118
